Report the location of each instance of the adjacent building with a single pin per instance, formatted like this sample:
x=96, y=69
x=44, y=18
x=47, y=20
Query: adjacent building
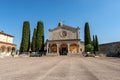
x=64, y=40
x=6, y=44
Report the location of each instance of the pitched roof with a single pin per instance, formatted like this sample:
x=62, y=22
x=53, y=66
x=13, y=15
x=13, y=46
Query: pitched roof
x=62, y=26
x=6, y=34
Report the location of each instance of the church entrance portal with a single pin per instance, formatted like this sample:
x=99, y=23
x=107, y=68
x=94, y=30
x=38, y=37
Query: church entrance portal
x=63, y=49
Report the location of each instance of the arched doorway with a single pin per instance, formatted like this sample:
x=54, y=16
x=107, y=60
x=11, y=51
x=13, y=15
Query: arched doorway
x=73, y=48
x=9, y=49
x=53, y=48
x=3, y=49
x=63, y=49
x=13, y=48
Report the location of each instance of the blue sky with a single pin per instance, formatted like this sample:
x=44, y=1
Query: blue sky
x=103, y=16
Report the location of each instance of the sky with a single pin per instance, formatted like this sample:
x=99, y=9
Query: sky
x=103, y=17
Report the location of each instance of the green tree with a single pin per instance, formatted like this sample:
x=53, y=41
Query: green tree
x=25, y=42
x=33, y=43
x=89, y=48
x=96, y=43
x=87, y=37
x=93, y=43
x=40, y=36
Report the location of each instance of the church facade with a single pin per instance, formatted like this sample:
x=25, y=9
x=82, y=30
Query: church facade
x=64, y=40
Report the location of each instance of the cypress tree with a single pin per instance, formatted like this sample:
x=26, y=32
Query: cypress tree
x=40, y=36
x=93, y=41
x=25, y=42
x=42, y=49
x=87, y=37
x=33, y=44
x=96, y=43
x=94, y=47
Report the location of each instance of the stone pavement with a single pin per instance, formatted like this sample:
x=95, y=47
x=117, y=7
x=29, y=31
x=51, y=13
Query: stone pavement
x=59, y=68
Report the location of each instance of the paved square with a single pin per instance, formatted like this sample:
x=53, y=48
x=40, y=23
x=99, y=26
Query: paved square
x=59, y=68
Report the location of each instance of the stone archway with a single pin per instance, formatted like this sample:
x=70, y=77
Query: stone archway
x=13, y=48
x=9, y=49
x=73, y=48
x=53, y=48
x=3, y=49
x=13, y=51
x=63, y=50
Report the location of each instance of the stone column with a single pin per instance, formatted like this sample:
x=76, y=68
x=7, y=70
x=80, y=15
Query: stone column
x=47, y=47
x=57, y=49
x=68, y=48
x=78, y=34
x=0, y=50
x=79, y=48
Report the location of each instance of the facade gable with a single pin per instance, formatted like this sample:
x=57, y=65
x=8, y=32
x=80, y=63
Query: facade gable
x=64, y=32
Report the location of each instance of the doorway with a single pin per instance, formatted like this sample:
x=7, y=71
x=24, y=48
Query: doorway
x=63, y=49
